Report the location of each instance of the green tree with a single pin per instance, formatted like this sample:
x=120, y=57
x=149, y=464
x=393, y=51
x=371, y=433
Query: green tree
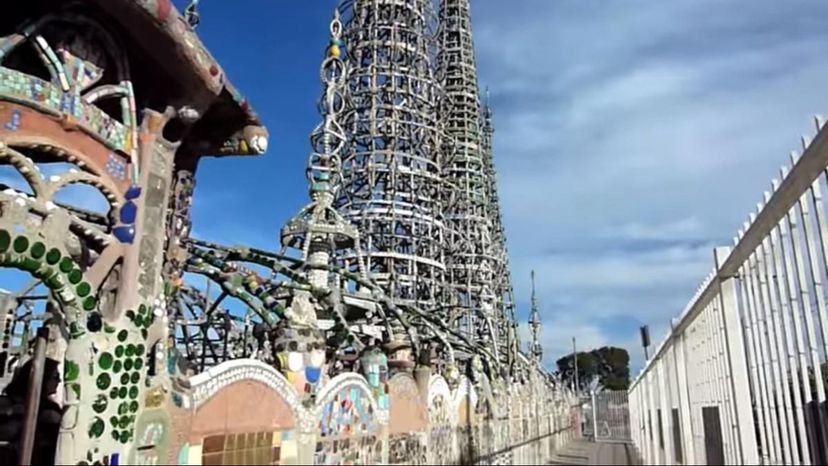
x=610, y=364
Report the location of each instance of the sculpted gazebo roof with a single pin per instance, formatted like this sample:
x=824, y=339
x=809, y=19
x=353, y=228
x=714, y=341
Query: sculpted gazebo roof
x=229, y=125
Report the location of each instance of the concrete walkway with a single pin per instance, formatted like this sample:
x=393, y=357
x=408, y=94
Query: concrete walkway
x=583, y=452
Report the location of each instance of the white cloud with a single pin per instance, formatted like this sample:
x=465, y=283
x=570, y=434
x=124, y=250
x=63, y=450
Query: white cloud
x=633, y=137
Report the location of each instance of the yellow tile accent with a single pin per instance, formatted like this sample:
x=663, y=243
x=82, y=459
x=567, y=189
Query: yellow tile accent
x=194, y=455
x=289, y=451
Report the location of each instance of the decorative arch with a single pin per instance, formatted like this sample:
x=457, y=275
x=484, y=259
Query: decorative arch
x=346, y=410
x=464, y=401
x=442, y=447
x=87, y=68
x=46, y=188
x=61, y=275
x=243, y=406
x=206, y=384
x=50, y=263
x=409, y=412
x=43, y=218
x=107, y=391
x=438, y=388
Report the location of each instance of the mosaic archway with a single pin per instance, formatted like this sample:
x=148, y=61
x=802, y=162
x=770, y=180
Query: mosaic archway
x=76, y=256
x=351, y=426
x=245, y=412
x=464, y=404
x=442, y=418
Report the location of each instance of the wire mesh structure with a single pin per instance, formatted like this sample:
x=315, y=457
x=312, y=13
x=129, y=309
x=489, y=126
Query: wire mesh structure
x=502, y=276
x=469, y=248
x=391, y=185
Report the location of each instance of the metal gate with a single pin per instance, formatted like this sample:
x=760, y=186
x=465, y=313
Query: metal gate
x=607, y=417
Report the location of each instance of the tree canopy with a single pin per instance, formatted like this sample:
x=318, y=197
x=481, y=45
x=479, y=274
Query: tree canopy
x=610, y=364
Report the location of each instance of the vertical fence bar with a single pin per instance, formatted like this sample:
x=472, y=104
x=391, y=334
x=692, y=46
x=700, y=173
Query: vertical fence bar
x=782, y=283
x=798, y=299
x=734, y=450
x=768, y=408
x=777, y=401
x=654, y=449
x=753, y=365
x=666, y=409
x=643, y=410
x=684, y=400
x=737, y=362
x=815, y=272
x=696, y=392
x=814, y=411
x=783, y=399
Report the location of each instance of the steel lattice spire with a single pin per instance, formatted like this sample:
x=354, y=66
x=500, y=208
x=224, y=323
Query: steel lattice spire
x=502, y=275
x=535, y=325
x=391, y=187
x=476, y=254
x=469, y=249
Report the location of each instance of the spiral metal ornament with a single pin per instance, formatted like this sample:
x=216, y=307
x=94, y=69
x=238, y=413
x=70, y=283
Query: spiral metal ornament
x=328, y=139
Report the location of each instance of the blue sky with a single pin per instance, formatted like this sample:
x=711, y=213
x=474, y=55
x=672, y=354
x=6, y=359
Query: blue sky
x=632, y=137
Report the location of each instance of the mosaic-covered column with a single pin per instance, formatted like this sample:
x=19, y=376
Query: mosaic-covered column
x=107, y=362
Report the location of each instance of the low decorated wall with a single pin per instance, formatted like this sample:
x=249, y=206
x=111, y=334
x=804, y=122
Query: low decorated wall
x=245, y=412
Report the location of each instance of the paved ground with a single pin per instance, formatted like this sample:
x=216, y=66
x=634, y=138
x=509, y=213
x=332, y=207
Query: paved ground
x=583, y=452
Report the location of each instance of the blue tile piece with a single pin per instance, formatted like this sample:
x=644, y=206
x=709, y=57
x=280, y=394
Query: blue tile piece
x=124, y=234
x=312, y=374
x=15, y=121
x=129, y=212
x=133, y=192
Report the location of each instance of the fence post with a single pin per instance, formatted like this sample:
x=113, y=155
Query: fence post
x=655, y=450
x=666, y=410
x=594, y=418
x=32, y=407
x=740, y=389
x=688, y=447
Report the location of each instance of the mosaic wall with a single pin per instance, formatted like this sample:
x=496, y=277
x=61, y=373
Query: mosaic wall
x=246, y=448
x=94, y=120
x=346, y=425
x=408, y=449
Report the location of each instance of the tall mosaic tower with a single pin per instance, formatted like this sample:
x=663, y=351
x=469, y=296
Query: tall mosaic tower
x=478, y=275
x=391, y=185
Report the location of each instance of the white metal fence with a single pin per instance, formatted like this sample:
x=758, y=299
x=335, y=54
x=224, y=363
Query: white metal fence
x=607, y=416
x=739, y=378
